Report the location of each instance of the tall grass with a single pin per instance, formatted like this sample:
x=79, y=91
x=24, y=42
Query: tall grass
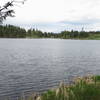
x=86, y=88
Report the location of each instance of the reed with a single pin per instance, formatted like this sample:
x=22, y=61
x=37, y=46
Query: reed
x=84, y=88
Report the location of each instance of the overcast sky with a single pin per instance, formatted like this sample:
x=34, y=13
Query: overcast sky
x=57, y=15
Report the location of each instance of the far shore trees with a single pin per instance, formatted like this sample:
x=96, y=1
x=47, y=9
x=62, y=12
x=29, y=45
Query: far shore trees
x=10, y=31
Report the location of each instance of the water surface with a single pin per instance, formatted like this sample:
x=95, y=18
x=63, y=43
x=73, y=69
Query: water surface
x=28, y=65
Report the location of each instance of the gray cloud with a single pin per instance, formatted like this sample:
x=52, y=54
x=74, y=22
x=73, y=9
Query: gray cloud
x=82, y=22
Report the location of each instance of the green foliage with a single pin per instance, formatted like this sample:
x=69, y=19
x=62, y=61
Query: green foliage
x=50, y=94
x=64, y=34
x=10, y=31
x=84, y=89
x=83, y=34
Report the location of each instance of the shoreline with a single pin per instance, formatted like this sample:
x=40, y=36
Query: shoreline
x=82, y=88
x=49, y=38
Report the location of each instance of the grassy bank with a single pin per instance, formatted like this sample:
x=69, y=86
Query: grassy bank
x=86, y=88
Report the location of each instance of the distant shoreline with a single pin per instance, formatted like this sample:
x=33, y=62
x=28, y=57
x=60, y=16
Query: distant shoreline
x=49, y=38
x=10, y=31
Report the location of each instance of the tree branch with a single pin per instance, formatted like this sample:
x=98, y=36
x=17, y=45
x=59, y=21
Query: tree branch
x=5, y=11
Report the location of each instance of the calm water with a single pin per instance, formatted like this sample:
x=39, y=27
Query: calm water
x=28, y=65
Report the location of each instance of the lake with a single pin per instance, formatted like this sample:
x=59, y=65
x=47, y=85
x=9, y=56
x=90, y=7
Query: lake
x=28, y=65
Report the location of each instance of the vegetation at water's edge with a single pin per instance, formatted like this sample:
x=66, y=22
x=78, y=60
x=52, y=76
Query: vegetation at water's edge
x=9, y=31
x=86, y=88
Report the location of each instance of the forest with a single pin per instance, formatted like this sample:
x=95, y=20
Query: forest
x=10, y=31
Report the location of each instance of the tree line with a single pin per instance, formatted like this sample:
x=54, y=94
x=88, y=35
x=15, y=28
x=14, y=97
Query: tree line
x=10, y=31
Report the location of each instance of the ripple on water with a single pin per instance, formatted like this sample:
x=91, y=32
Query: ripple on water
x=39, y=64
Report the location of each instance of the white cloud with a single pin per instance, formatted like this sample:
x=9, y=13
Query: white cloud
x=54, y=11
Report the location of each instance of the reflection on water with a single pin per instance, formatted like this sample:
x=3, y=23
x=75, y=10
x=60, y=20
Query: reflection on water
x=28, y=65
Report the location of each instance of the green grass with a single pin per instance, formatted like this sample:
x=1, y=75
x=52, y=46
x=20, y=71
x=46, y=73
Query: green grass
x=86, y=88
x=83, y=89
x=94, y=37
